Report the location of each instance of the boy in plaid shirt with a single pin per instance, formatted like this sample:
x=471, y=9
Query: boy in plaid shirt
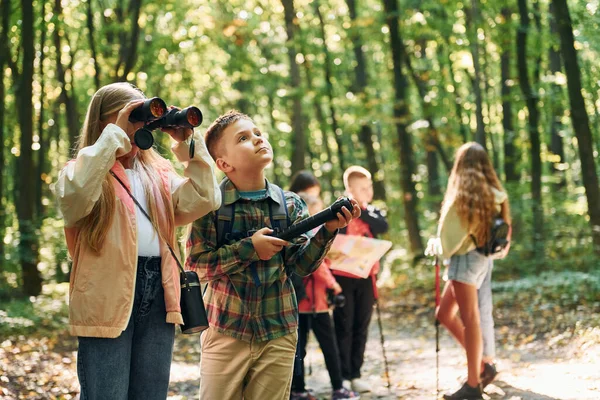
x=249, y=349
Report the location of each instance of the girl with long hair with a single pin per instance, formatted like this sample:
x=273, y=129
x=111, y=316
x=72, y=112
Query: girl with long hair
x=474, y=197
x=124, y=287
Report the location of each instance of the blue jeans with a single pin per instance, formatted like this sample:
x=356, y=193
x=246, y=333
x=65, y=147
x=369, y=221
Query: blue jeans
x=137, y=364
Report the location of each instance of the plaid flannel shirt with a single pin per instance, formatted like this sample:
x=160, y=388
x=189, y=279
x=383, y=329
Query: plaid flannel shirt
x=235, y=305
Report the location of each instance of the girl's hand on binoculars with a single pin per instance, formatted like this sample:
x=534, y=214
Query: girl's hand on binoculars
x=123, y=117
x=178, y=134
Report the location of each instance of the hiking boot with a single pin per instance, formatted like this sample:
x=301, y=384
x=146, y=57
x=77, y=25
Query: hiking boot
x=305, y=395
x=466, y=392
x=344, y=393
x=360, y=385
x=488, y=374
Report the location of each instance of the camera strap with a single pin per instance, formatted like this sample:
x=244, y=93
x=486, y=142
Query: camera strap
x=149, y=219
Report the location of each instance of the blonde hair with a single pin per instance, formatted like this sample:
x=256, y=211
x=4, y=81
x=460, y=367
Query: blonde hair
x=94, y=227
x=353, y=172
x=470, y=190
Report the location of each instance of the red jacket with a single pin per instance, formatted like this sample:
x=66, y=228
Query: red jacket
x=316, y=285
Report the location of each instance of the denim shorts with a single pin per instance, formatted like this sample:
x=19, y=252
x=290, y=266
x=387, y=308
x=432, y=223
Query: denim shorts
x=470, y=268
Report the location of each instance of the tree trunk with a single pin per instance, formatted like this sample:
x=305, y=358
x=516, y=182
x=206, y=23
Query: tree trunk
x=473, y=21
x=299, y=147
x=128, y=43
x=534, y=135
x=361, y=76
x=511, y=156
x=316, y=102
x=579, y=117
x=41, y=153
x=329, y=86
x=28, y=246
x=433, y=139
x=401, y=116
x=556, y=107
x=66, y=97
x=91, y=30
x=444, y=56
x=4, y=55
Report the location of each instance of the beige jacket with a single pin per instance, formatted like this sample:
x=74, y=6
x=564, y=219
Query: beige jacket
x=102, y=285
x=454, y=236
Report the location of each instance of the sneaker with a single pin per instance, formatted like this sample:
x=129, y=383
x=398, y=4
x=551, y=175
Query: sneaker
x=305, y=395
x=488, y=374
x=360, y=385
x=344, y=393
x=466, y=392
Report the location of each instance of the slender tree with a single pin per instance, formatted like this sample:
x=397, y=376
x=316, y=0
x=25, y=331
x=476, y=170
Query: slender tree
x=329, y=89
x=299, y=139
x=473, y=21
x=401, y=118
x=4, y=62
x=28, y=245
x=41, y=153
x=92, y=43
x=533, y=125
x=67, y=89
x=129, y=34
x=511, y=156
x=579, y=116
x=556, y=102
x=361, y=83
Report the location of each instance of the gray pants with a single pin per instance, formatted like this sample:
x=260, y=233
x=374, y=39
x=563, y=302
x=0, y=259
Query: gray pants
x=486, y=319
x=476, y=269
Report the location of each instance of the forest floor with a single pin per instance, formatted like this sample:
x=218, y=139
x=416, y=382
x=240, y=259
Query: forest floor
x=548, y=347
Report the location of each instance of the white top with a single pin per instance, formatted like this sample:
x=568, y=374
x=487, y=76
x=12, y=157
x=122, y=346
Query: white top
x=147, y=238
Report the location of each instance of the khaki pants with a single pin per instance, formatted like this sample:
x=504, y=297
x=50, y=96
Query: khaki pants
x=231, y=369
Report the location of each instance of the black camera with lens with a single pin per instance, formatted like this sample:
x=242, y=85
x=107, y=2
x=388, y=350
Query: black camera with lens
x=335, y=300
x=153, y=112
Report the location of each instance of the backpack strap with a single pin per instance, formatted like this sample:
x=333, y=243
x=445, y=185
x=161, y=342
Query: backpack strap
x=280, y=218
x=224, y=217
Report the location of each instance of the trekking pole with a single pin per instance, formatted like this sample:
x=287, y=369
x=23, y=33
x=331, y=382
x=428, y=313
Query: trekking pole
x=385, y=361
x=437, y=328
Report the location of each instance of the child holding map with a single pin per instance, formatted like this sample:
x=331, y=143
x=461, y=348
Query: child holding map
x=352, y=320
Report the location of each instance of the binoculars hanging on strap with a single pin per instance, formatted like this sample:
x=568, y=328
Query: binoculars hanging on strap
x=153, y=112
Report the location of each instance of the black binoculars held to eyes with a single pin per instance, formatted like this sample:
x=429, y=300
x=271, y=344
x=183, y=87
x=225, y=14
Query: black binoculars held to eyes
x=153, y=112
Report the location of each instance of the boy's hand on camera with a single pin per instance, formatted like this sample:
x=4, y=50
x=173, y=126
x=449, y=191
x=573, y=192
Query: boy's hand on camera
x=344, y=218
x=267, y=246
x=123, y=117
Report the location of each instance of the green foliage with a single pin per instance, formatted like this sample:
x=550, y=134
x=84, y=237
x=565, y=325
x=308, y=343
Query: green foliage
x=225, y=54
x=45, y=315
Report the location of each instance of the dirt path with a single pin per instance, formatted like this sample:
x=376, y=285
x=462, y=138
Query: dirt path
x=532, y=371
x=546, y=350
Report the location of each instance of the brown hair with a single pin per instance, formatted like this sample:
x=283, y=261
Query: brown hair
x=470, y=190
x=94, y=227
x=213, y=134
